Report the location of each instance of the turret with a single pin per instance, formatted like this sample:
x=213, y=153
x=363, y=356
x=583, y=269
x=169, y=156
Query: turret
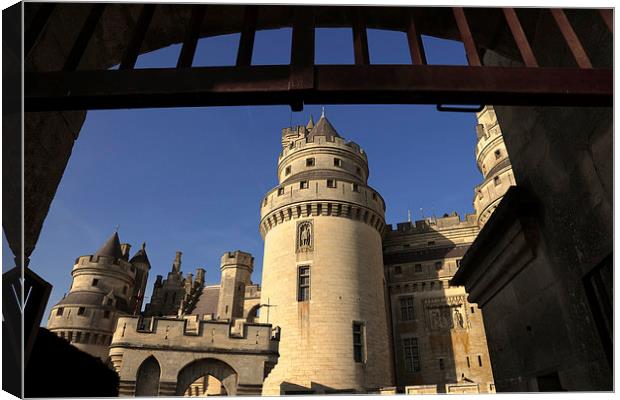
x=236, y=268
x=141, y=263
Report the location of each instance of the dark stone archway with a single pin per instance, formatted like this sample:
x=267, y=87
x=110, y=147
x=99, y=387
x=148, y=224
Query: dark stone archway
x=207, y=366
x=147, y=378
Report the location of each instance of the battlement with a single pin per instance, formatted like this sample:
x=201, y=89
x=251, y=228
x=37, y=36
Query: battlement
x=433, y=224
x=194, y=334
x=109, y=263
x=237, y=257
x=304, y=143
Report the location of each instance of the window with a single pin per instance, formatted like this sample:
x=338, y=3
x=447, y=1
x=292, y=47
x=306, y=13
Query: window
x=106, y=314
x=356, y=187
x=358, y=342
x=438, y=265
x=265, y=202
x=81, y=311
x=124, y=289
x=331, y=183
x=287, y=170
x=441, y=364
x=497, y=154
x=59, y=311
x=78, y=337
x=468, y=364
x=374, y=196
x=303, y=283
x=418, y=268
x=95, y=282
x=309, y=162
x=86, y=337
x=496, y=181
x=303, y=185
x=431, y=242
x=358, y=170
x=109, y=302
x=337, y=162
x=412, y=354
x=280, y=191
x=69, y=336
x=398, y=270
x=406, y=308
x=479, y=361
x=471, y=309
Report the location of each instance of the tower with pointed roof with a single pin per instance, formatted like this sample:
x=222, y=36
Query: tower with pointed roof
x=323, y=282
x=105, y=286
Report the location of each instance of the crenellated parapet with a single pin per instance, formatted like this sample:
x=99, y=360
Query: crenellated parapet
x=194, y=335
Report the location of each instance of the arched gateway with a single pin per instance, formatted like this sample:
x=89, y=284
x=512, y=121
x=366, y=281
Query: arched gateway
x=167, y=355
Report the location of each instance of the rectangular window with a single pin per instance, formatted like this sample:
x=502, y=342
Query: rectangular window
x=358, y=342
x=86, y=337
x=280, y=191
x=287, y=170
x=303, y=185
x=303, y=283
x=468, y=364
x=106, y=314
x=309, y=162
x=496, y=181
x=472, y=309
x=81, y=311
x=398, y=270
x=337, y=162
x=418, y=268
x=441, y=364
x=356, y=187
x=479, y=361
x=95, y=282
x=69, y=336
x=438, y=265
x=406, y=308
x=431, y=242
x=59, y=311
x=78, y=337
x=412, y=354
x=331, y=183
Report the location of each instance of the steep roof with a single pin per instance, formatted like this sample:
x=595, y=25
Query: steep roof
x=111, y=248
x=140, y=256
x=323, y=128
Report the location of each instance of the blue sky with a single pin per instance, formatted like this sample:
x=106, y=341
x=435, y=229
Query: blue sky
x=192, y=179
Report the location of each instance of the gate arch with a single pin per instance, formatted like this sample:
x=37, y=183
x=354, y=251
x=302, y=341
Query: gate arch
x=207, y=366
x=147, y=377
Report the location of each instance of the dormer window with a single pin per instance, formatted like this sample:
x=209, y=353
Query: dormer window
x=310, y=162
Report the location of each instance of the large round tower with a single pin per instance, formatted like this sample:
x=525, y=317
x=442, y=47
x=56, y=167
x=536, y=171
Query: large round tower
x=102, y=290
x=493, y=162
x=323, y=282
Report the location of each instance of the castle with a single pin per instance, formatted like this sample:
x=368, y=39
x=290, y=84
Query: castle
x=347, y=303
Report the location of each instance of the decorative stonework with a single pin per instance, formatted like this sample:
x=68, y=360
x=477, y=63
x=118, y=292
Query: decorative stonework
x=305, y=236
x=446, y=313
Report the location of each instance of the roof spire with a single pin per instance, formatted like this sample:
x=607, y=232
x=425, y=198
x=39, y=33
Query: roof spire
x=111, y=248
x=323, y=112
x=310, y=123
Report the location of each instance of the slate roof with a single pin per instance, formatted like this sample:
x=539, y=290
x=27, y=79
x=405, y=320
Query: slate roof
x=140, y=256
x=111, y=248
x=323, y=128
x=207, y=303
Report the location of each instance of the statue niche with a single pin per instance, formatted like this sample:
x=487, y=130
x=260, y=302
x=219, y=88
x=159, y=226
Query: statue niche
x=305, y=236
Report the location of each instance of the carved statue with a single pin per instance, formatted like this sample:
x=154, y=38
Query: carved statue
x=458, y=318
x=305, y=235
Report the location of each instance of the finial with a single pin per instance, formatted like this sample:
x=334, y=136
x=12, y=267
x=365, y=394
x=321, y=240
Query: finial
x=143, y=246
x=323, y=112
x=116, y=228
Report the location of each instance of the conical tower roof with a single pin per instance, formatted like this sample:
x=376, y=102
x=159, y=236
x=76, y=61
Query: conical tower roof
x=140, y=256
x=323, y=128
x=310, y=123
x=111, y=248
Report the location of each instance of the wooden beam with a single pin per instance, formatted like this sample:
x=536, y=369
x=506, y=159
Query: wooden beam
x=466, y=37
x=246, y=42
x=344, y=84
x=83, y=38
x=572, y=41
x=520, y=39
x=360, y=38
x=302, y=51
x=416, y=47
x=191, y=37
x=137, y=37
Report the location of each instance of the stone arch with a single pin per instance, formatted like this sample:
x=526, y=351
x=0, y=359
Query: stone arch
x=147, y=377
x=207, y=366
x=252, y=314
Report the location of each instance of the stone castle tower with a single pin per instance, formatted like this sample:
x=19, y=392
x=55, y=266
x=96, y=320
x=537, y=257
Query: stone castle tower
x=236, y=268
x=105, y=285
x=323, y=281
x=492, y=160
